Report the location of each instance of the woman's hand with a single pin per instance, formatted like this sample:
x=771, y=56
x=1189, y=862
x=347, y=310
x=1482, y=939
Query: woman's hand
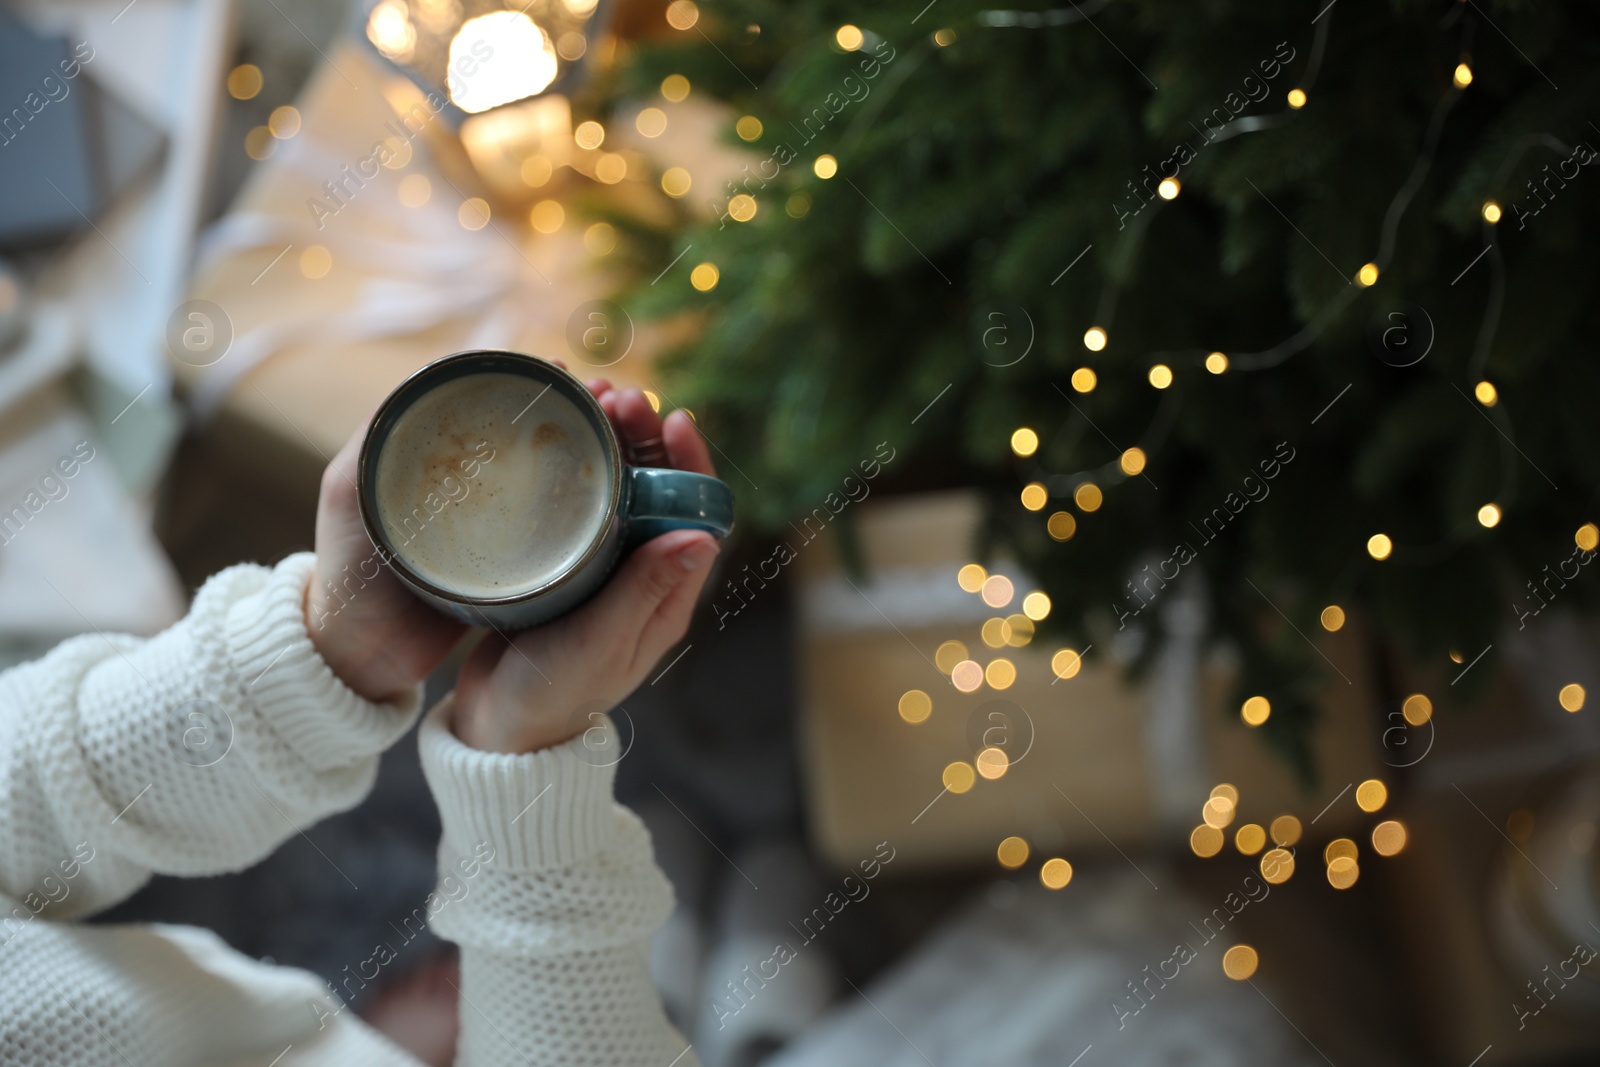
x=537, y=688
x=378, y=638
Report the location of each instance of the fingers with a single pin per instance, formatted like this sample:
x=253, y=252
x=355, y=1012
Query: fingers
x=686, y=449
x=647, y=603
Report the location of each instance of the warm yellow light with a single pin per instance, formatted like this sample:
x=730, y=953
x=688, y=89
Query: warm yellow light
x=315, y=262
x=1034, y=496
x=971, y=577
x=1094, y=339
x=948, y=655
x=1240, y=962
x=1012, y=853
x=1340, y=848
x=1489, y=515
x=682, y=14
x=1255, y=711
x=748, y=128
x=993, y=763
x=655, y=400
x=1036, y=606
x=1277, y=865
x=1062, y=525
x=798, y=206
x=651, y=122
x=1083, y=380
x=259, y=143
x=675, y=87
x=473, y=214
x=742, y=207
x=524, y=60
x=1024, y=442
x=1226, y=790
x=1218, y=812
x=1368, y=274
x=1285, y=830
x=1169, y=188
x=611, y=167
x=284, y=122
x=390, y=30
x=1371, y=795
x=1463, y=76
x=944, y=38
x=600, y=238
x=536, y=170
x=967, y=676
x=415, y=189
x=1417, y=709
x=1572, y=696
x=547, y=216
x=825, y=167
x=1020, y=630
x=959, y=777
x=915, y=706
x=571, y=46
x=1332, y=618
x=997, y=590
x=1205, y=840
x=1066, y=663
x=1000, y=674
x=1217, y=363
x=244, y=81
x=675, y=181
x=704, y=277
x=849, y=37
x=1379, y=546
x=589, y=134
x=1088, y=497
x=1388, y=837
x=1491, y=211
x=1250, y=839
x=1486, y=393
x=1343, y=872
x=996, y=633
x=1297, y=98
x=1160, y=376
x=1055, y=873
x=1587, y=537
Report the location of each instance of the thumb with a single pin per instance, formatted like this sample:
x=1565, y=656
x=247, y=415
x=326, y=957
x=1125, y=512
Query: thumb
x=648, y=601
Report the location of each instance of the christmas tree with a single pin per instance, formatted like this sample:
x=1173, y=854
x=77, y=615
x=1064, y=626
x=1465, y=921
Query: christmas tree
x=1283, y=303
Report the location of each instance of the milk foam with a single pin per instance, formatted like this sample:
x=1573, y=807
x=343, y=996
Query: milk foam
x=490, y=484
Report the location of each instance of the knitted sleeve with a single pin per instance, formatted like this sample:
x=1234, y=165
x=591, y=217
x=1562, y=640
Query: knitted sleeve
x=552, y=891
x=193, y=752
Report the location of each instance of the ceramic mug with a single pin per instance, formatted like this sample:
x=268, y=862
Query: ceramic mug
x=640, y=502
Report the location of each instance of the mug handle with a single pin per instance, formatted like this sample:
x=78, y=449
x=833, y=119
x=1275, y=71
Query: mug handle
x=661, y=499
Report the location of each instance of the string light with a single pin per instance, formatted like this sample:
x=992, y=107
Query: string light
x=675, y=87
x=959, y=777
x=1285, y=831
x=1169, y=188
x=1062, y=526
x=1250, y=839
x=675, y=182
x=704, y=277
x=992, y=763
x=944, y=38
x=1417, y=709
x=1217, y=363
x=600, y=238
x=1021, y=629
x=1367, y=275
x=1084, y=380
x=244, y=81
x=1205, y=841
x=284, y=122
x=1486, y=393
x=742, y=207
x=1056, y=873
x=1388, y=837
x=1340, y=848
x=1463, y=76
x=1240, y=962
x=1094, y=339
x=589, y=134
x=1036, y=606
x=1132, y=461
x=1000, y=674
x=1088, y=497
x=1491, y=211
x=651, y=122
x=1255, y=711
x=849, y=37
x=1379, y=546
x=547, y=216
x=997, y=590
x=473, y=214
x=1297, y=98
x=949, y=655
x=1572, y=697
x=1066, y=663
x=798, y=206
x=967, y=676
x=1343, y=872
x=825, y=167
x=682, y=14
x=1160, y=376
x=1332, y=618
x=1218, y=812
x=1277, y=865
x=915, y=706
x=316, y=261
x=1489, y=516
x=748, y=128
x=971, y=577
x=1371, y=795
x=1012, y=853
x=1024, y=442
x=1587, y=537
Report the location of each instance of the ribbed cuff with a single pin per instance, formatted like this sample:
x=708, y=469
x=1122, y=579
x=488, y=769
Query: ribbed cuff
x=293, y=688
x=540, y=810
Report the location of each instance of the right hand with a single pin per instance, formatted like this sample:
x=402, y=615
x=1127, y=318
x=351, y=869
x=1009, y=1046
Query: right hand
x=535, y=689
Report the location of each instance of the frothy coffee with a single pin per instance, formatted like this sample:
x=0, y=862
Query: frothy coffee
x=492, y=484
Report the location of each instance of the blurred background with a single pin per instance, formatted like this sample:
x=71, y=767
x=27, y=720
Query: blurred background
x=1160, y=622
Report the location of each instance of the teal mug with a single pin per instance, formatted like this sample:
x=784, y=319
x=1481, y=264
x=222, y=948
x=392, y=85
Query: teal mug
x=494, y=486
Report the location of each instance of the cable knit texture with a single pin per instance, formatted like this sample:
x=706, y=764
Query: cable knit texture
x=201, y=750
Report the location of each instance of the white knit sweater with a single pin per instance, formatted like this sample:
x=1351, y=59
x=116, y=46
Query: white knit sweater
x=201, y=750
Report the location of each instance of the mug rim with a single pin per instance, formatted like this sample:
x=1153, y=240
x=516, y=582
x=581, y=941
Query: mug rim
x=406, y=393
